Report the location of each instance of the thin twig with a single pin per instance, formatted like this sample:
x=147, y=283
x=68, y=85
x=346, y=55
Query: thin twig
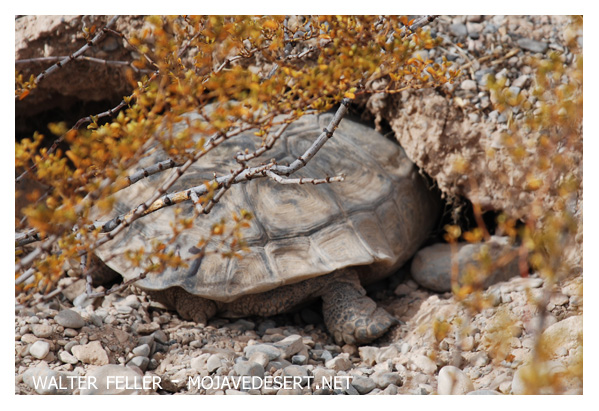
x=76, y=54
x=85, y=58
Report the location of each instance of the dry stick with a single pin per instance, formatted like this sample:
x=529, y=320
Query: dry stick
x=159, y=201
x=32, y=256
x=421, y=22
x=85, y=58
x=303, y=180
x=76, y=54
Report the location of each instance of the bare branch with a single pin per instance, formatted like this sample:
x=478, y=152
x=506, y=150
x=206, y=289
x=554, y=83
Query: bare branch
x=76, y=54
x=117, y=63
x=302, y=180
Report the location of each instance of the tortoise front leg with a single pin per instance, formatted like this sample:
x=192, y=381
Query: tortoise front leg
x=349, y=314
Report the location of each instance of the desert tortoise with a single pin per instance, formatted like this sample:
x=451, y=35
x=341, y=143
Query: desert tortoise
x=306, y=241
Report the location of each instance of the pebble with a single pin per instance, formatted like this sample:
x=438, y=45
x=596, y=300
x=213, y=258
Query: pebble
x=363, y=384
x=70, y=332
x=339, y=363
x=368, y=354
x=39, y=349
x=102, y=386
x=247, y=368
x=214, y=362
x=425, y=364
x=297, y=371
x=142, y=350
x=42, y=330
x=91, y=353
x=384, y=379
x=141, y=362
x=260, y=358
x=69, y=319
x=272, y=352
x=564, y=334
x=459, y=30
x=453, y=381
x=299, y=359
x=67, y=358
x=533, y=45
x=290, y=345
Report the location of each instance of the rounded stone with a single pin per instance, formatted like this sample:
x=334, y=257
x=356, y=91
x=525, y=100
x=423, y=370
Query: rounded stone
x=453, y=381
x=39, y=349
x=41, y=330
x=69, y=319
x=363, y=384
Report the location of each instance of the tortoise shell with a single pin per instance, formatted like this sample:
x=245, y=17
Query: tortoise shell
x=376, y=218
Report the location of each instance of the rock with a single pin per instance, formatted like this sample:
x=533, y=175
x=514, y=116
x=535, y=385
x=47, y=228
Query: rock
x=290, y=345
x=388, y=353
x=114, y=379
x=298, y=373
x=299, y=359
x=363, y=384
x=48, y=382
x=383, y=380
x=70, y=332
x=369, y=354
x=214, y=362
x=251, y=369
x=41, y=330
x=474, y=29
x=458, y=30
x=339, y=363
x=145, y=328
x=533, y=45
x=159, y=336
x=91, y=353
x=467, y=343
x=564, y=334
x=39, y=349
x=425, y=364
x=74, y=290
x=431, y=266
x=453, y=381
x=260, y=358
x=69, y=319
x=323, y=376
x=142, y=350
x=67, y=358
x=141, y=362
x=272, y=352
x=199, y=363
x=390, y=390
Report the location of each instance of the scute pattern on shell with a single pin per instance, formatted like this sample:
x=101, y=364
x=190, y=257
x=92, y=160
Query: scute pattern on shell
x=377, y=217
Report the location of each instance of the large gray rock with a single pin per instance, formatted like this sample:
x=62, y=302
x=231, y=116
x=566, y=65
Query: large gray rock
x=431, y=266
